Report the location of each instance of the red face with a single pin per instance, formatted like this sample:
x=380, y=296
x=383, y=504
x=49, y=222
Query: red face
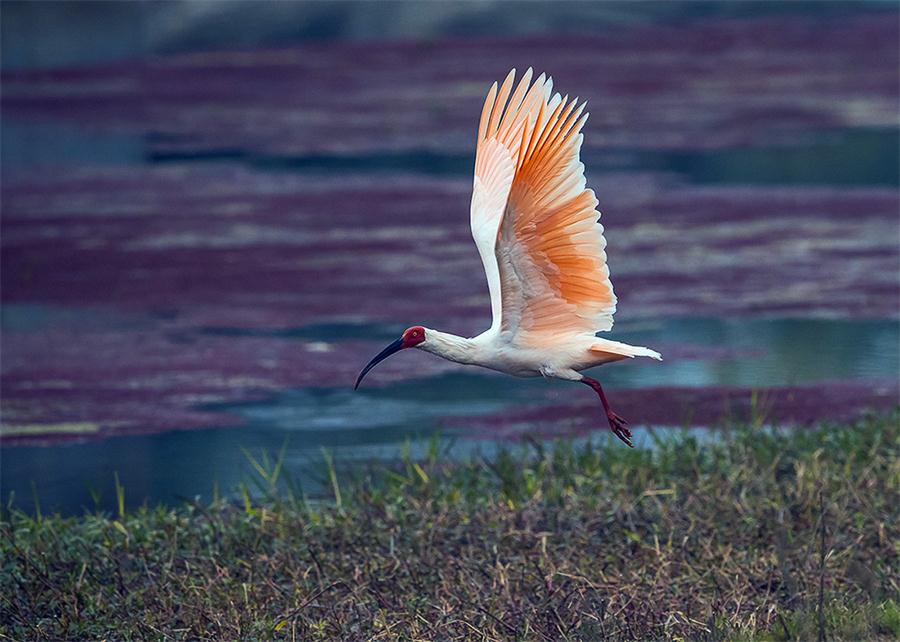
x=413, y=336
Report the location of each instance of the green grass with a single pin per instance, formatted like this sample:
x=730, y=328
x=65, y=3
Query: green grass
x=697, y=541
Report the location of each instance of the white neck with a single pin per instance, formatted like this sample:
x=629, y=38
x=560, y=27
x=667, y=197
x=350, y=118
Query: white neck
x=449, y=346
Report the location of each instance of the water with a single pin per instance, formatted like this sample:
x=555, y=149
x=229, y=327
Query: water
x=379, y=421
x=201, y=250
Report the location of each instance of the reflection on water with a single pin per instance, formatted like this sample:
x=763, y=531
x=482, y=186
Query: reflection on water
x=377, y=422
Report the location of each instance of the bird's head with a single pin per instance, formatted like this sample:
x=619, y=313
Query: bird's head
x=411, y=338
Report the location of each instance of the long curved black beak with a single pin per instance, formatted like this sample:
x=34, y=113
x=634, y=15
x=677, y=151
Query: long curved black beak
x=396, y=346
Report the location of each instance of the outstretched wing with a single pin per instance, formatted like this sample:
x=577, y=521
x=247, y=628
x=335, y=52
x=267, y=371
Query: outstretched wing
x=534, y=222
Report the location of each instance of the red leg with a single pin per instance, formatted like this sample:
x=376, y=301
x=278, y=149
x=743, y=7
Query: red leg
x=616, y=423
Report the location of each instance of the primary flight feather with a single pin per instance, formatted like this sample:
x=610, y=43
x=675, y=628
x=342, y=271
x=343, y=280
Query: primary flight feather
x=536, y=227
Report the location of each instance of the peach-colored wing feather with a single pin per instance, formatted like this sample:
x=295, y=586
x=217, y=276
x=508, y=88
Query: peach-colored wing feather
x=497, y=152
x=534, y=222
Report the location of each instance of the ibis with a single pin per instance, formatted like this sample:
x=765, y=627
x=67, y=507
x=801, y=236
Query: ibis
x=537, y=230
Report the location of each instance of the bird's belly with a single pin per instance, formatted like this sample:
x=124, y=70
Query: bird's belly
x=518, y=363
x=516, y=369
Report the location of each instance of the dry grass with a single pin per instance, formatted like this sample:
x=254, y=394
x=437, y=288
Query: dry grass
x=714, y=541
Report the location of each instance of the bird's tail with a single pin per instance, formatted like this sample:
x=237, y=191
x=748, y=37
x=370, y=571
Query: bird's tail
x=625, y=350
x=641, y=351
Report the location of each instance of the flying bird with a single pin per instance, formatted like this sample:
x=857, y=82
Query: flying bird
x=537, y=229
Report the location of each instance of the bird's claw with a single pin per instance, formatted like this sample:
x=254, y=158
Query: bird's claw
x=618, y=426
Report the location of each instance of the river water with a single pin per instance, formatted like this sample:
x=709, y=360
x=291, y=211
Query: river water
x=202, y=248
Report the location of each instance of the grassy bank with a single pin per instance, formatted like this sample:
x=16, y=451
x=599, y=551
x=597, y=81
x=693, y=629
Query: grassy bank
x=754, y=537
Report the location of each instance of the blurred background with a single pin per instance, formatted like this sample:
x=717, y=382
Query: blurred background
x=214, y=214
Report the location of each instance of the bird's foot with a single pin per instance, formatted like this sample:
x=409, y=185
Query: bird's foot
x=618, y=426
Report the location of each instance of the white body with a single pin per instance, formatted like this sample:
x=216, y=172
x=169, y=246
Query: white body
x=562, y=360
